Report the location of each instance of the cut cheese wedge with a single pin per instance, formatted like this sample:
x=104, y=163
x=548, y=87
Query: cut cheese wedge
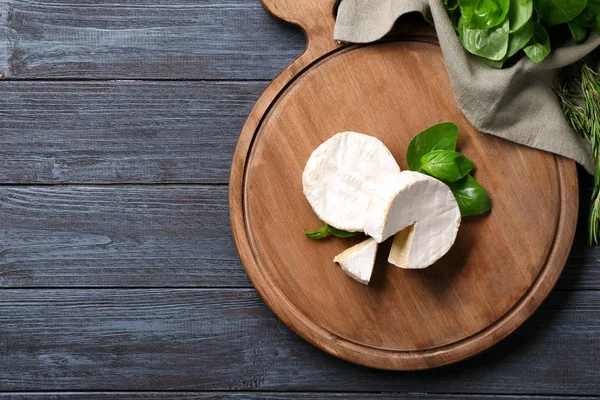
x=423, y=210
x=358, y=261
x=342, y=175
x=399, y=251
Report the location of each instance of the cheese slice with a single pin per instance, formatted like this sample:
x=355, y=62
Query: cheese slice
x=399, y=251
x=358, y=261
x=423, y=210
x=341, y=176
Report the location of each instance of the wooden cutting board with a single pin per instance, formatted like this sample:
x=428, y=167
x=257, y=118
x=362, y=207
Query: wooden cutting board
x=502, y=265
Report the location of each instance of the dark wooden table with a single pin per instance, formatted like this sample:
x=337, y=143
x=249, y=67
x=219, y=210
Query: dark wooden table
x=119, y=274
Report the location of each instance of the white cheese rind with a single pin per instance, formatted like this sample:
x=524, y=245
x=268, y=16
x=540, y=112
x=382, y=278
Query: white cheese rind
x=358, y=261
x=342, y=175
x=416, y=199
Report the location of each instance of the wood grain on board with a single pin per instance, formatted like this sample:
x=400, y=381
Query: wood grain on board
x=138, y=234
x=499, y=270
x=205, y=339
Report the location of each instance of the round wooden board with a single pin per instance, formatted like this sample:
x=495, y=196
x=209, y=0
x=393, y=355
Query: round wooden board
x=501, y=267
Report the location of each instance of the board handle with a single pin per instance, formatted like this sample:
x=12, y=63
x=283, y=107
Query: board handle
x=316, y=18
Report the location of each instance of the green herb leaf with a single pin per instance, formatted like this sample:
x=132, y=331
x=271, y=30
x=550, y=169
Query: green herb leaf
x=439, y=137
x=579, y=32
x=586, y=18
x=326, y=231
x=579, y=26
x=453, y=11
x=519, y=13
x=340, y=233
x=472, y=199
x=539, y=46
x=491, y=43
x=516, y=41
x=496, y=64
x=446, y=165
x=483, y=14
x=451, y=5
x=519, y=39
x=319, y=234
x=594, y=6
x=556, y=12
x=595, y=24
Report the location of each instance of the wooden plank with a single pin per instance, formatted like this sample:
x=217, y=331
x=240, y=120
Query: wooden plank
x=117, y=236
x=149, y=39
x=517, y=253
x=271, y=396
x=127, y=236
x=215, y=339
x=121, y=132
x=582, y=269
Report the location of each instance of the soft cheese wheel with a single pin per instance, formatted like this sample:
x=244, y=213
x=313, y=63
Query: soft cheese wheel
x=423, y=210
x=358, y=261
x=341, y=176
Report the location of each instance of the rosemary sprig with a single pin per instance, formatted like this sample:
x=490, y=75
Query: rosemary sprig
x=590, y=90
x=585, y=119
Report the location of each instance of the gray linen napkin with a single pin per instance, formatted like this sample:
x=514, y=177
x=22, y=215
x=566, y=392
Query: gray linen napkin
x=515, y=103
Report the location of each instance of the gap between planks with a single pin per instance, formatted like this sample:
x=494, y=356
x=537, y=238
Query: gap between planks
x=116, y=184
x=134, y=79
x=199, y=288
x=303, y=393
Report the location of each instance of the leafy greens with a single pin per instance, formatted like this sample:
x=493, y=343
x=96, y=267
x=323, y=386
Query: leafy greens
x=433, y=152
x=497, y=30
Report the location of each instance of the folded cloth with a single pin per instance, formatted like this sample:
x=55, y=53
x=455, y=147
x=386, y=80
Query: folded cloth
x=515, y=103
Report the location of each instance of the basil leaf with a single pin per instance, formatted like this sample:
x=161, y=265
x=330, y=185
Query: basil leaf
x=483, y=14
x=519, y=13
x=491, y=43
x=556, y=12
x=516, y=42
x=446, y=165
x=594, y=6
x=451, y=5
x=340, y=233
x=326, y=231
x=579, y=32
x=496, y=64
x=472, y=199
x=319, y=234
x=596, y=24
x=438, y=137
x=579, y=26
x=453, y=11
x=539, y=46
x=586, y=18
x=519, y=39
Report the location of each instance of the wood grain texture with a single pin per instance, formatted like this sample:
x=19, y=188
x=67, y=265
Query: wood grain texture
x=498, y=271
x=149, y=39
x=121, y=132
x=191, y=339
x=152, y=236
x=184, y=132
x=583, y=260
x=117, y=236
x=271, y=396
